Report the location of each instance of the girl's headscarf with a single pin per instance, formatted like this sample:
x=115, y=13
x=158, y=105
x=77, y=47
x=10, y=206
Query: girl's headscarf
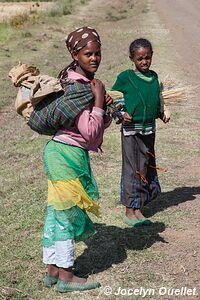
x=77, y=40
x=80, y=37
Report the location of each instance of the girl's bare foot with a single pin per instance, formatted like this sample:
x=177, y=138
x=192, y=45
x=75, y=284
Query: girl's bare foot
x=66, y=274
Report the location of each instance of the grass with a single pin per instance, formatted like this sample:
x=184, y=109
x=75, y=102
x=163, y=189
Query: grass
x=117, y=255
x=6, y=32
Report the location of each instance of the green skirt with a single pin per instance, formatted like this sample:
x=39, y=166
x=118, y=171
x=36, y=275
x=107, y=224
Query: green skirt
x=72, y=191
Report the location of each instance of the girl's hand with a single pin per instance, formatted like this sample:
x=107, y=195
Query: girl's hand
x=127, y=118
x=108, y=99
x=98, y=90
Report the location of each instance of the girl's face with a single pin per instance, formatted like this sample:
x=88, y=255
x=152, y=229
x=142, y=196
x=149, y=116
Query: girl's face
x=88, y=59
x=142, y=58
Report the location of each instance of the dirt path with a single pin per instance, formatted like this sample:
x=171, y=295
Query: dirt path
x=181, y=17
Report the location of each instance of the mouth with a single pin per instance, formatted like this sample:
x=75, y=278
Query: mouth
x=94, y=65
x=144, y=67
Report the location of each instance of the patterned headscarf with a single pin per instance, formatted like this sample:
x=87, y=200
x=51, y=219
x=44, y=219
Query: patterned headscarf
x=80, y=37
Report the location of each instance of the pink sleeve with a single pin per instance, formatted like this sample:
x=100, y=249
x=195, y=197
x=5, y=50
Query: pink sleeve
x=90, y=123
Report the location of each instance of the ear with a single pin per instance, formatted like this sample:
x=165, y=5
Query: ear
x=131, y=57
x=75, y=56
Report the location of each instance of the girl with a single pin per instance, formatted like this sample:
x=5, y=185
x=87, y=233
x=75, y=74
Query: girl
x=141, y=90
x=72, y=190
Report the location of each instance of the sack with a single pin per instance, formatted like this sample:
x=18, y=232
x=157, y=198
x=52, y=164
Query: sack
x=23, y=105
x=33, y=87
x=21, y=73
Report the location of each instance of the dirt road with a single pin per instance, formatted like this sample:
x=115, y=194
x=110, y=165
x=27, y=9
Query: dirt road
x=182, y=18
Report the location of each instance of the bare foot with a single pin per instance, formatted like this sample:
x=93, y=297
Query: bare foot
x=68, y=275
x=138, y=214
x=130, y=213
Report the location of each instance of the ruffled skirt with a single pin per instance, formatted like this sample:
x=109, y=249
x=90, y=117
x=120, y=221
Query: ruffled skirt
x=72, y=192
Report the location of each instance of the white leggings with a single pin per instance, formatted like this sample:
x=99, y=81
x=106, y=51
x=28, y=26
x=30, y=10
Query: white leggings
x=60, y=254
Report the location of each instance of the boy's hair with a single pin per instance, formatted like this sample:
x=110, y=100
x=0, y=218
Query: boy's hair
x=139, y=43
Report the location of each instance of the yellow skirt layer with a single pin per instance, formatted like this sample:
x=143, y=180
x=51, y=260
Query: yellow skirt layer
x=64, y=194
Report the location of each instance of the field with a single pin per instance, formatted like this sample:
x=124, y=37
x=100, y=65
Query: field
x=165, y=254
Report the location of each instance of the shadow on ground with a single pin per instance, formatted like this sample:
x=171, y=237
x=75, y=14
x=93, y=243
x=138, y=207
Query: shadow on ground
x=172, y=198
x=110, y=243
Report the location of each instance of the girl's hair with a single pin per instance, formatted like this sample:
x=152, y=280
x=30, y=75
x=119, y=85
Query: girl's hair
x=63, y=73
x=139, y=43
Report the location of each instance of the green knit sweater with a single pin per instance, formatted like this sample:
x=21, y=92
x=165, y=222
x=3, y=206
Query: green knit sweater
x=142, y=97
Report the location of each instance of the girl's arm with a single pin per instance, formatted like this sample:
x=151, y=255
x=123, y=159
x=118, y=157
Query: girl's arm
x=91, y=122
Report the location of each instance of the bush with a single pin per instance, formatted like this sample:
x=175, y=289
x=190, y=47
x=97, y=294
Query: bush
x=19, y=20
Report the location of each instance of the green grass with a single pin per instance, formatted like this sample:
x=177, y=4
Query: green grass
x=6, y=32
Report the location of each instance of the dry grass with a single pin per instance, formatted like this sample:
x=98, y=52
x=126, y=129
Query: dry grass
x=174, y=92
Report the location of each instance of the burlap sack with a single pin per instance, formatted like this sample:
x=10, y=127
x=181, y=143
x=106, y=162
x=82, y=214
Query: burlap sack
x=33, y=87
x=23, y=105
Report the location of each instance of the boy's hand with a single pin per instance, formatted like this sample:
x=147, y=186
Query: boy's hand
x=127, y=118
x=164, y=118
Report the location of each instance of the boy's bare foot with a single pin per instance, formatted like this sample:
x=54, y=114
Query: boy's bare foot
x=138, y=214
x=130, y=213
x=66, y=274
x=134, y=213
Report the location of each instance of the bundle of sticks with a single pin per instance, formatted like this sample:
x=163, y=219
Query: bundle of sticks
x=175, y=93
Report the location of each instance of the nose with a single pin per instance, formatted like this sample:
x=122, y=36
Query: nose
x=94, y=57
x=144, y=61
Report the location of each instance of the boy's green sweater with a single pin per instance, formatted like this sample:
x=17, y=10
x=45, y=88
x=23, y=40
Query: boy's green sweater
x=142, y=97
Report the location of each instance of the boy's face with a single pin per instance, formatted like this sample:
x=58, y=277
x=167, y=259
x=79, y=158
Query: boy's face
x=142, y=58
x=88, y=59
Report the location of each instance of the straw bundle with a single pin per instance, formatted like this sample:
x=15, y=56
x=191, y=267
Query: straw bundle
x=174, y=93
